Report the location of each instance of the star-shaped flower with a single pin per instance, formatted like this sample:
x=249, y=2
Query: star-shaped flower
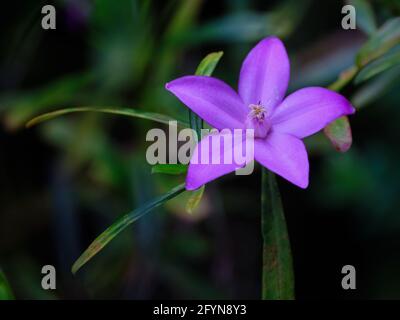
x=279, y=123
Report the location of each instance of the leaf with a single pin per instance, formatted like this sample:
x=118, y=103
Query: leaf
x=194, y=199
x=379, y=65
x=20, y=107
x=173, y=169
x=113, y=110
x=5, y=289
x=384, y=39
x=339, y=133
x=365, y=16
x=277, y=276
x=195, y=123
x=380, y=42
x=208, y=64
x=111, y=232
x=374, y=89
x=326, y=64
x=344, y=78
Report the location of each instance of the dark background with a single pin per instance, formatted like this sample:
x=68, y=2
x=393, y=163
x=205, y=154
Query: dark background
x=63, y=182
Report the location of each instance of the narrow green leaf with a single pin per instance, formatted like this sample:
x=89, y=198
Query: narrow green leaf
x=387, y=61
x=194, y=199
x=5, y=289
x=375, y=88
x=381, y=41
x=385, y=38
x=365, y=16
x=173, y=169
x=113, y=110
x=345, y=77
x=111, y=232
x=277, y=276
x=195, y=123
x=339, y=133
x=208, y=64
x=23, y=105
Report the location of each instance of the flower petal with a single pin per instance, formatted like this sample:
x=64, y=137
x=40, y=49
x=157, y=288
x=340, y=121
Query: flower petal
x=211, y=99
x=309, y=110
x=221, y=160
x=285, y=155
x=265, y=73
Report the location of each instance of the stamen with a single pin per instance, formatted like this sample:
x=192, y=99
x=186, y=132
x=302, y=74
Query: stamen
x=257, y=111
x=258, y=120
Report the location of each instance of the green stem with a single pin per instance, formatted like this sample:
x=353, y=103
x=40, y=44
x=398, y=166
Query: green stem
x=344, y=78
x=277, y=270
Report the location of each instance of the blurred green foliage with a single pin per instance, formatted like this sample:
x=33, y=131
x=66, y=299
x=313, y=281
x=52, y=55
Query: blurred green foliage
x=5, y=290
x=121, y=53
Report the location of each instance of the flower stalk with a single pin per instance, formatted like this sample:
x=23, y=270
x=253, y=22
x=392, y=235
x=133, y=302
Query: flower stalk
x=277, y=268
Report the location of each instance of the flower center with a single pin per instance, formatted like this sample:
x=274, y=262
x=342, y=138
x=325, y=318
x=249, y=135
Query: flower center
x=258, y=120
x=257, y=111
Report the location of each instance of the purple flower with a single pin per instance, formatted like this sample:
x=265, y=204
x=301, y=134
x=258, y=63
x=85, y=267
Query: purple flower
x=279, y=124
